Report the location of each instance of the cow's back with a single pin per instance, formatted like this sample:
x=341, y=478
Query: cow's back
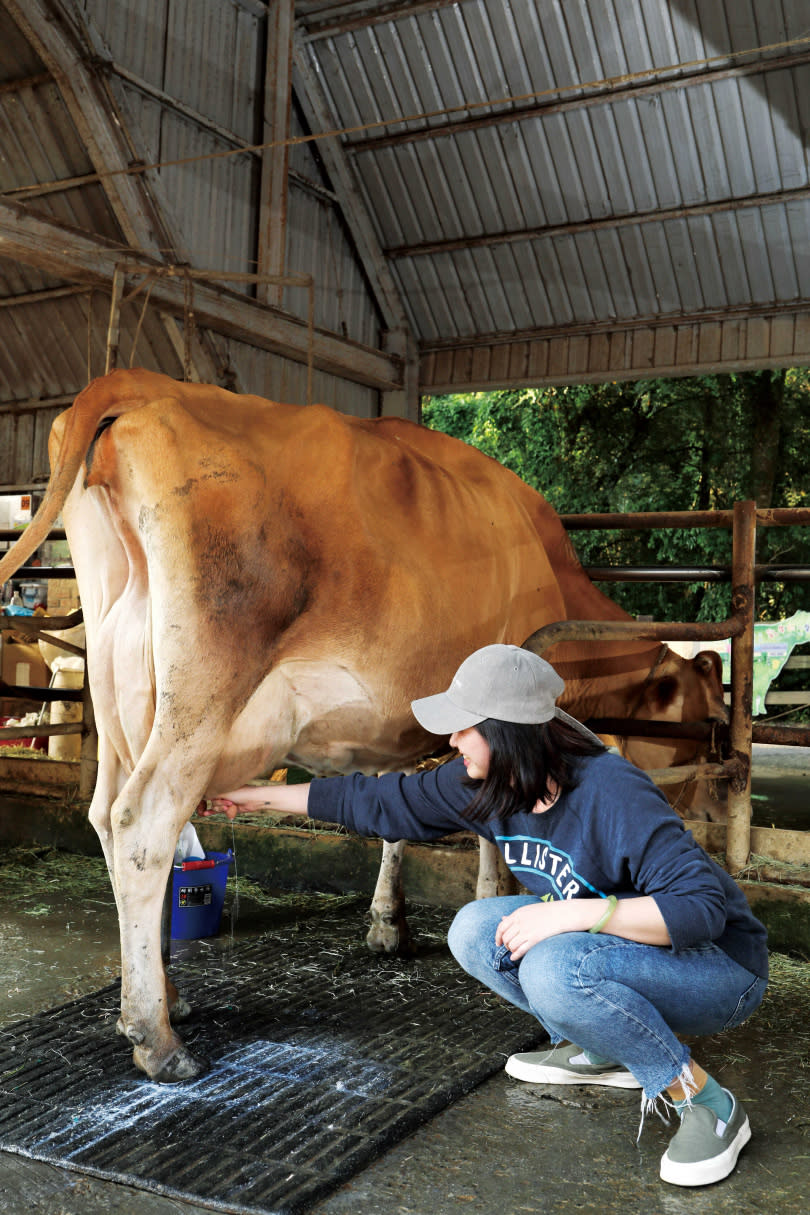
x=248, y=548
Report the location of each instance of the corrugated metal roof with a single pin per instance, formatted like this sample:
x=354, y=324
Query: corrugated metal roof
x=568, y=214
x=514, y=190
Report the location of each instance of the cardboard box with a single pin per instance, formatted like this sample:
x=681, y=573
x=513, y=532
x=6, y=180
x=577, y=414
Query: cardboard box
x=22, y=664
x=63, y=596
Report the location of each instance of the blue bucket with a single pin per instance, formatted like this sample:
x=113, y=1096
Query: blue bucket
x=198, y=896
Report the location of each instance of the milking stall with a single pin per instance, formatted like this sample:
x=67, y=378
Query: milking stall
x=209, y=205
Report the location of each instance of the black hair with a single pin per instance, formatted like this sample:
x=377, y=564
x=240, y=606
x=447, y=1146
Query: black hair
x=527, y=763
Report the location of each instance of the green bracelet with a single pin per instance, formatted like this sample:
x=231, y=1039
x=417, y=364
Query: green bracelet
x=602, y=921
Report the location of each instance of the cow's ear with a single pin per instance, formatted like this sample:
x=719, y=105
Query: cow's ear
x=709, y=662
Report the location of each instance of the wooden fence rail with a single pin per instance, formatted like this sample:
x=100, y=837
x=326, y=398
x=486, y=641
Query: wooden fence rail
x=42, y=628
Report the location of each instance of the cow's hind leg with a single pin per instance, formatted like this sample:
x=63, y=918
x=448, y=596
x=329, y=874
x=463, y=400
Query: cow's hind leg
x=109, y=779
x=146, y=818
x=389, y=932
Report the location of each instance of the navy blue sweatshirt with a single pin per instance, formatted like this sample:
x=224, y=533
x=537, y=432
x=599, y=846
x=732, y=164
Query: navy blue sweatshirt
x=615, y=833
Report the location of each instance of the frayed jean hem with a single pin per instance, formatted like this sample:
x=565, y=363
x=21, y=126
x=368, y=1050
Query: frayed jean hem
x=625, y=1001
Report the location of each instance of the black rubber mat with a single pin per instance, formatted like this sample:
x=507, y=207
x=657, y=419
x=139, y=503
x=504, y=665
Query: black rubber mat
x=322, y=1055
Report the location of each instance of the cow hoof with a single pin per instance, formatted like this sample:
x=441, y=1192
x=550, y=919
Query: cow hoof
x=129, y=1032
x=177, y=1068
x=390, y=936
x=180, y=1010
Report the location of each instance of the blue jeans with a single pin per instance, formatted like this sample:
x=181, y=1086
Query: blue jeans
x=621, y=1000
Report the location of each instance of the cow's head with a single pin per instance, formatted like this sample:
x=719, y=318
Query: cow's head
x=683, y=690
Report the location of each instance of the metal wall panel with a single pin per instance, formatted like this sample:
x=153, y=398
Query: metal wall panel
x=133, y=32
x=280, y=379
x=318, y=244
x=77, y=328
x=202, y=53
x=39, y=144
x=211, y=202
x=24, y=448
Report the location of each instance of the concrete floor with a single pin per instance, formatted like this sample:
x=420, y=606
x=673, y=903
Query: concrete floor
x=505, y=1148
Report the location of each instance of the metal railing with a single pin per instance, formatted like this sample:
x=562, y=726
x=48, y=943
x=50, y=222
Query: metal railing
x=743, y=574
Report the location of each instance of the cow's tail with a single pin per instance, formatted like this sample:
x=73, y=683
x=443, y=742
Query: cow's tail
x=109, y=395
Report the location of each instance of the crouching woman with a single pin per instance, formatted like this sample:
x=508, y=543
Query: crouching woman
x=630, y=937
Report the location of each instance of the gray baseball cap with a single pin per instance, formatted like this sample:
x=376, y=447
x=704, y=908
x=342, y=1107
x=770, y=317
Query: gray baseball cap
x=501, y=681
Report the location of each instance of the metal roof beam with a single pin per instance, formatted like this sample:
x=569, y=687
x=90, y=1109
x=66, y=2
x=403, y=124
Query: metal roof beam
x=41, y=297
x=342, y=18
x=166, y=101
x=25, y=82
x=578, y=329
x=731, y=339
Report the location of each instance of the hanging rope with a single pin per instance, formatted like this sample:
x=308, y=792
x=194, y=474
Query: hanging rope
x=151, y=273
x=150, y=281
x=90, y=335
x=188, y=322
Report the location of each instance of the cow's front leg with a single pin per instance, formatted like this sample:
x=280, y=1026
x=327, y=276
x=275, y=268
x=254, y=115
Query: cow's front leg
x=493, y=876
x=487, y=886
x=389, y=932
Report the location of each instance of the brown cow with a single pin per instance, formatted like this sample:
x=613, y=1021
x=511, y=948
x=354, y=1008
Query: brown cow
x=266, y=584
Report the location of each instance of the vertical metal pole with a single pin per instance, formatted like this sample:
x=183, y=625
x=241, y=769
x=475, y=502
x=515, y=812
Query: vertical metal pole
x=738, y=832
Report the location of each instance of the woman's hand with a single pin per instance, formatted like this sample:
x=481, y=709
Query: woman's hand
x=637, y=919
x=252, y=799
x=535, y=922
x=220, y=805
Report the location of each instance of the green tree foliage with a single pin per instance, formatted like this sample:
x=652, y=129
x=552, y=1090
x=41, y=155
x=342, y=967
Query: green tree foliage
x=658, y=445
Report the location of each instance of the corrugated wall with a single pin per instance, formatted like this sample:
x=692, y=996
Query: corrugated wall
x=215, y=80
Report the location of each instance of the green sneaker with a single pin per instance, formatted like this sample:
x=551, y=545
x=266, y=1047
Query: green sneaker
x=567, y=1065
x=705, y=1149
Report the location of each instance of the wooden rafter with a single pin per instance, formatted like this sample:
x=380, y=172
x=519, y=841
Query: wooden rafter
x=275, y=159
x=63, y=43
x=85, y=259
x=313, y=104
